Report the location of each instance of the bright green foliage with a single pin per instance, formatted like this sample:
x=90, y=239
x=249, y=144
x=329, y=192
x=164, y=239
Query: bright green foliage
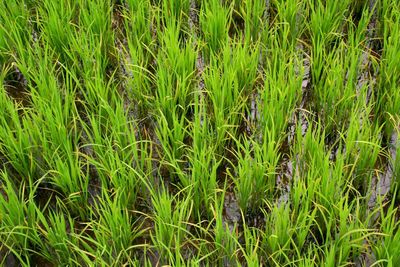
x=199, y=133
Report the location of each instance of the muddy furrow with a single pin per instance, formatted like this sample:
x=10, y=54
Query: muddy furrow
x=381, y=181
x=366, y=79
x=299, y=118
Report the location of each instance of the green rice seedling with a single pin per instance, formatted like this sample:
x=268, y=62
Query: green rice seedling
x=318, y=57
x=95, y=16
x=350, y=135
x=54, y=104
x=117, y=174
x=15, y=142
x=225, y=102
x=89, y=68
x=313, y=162
x=226, y=88
x=58, y=24
x=307, y=261
x=357, y=55
x=235, y=73
x=171, y=215
x=303, y=228
x=203, y=164
x=67, y=177
x=280, y=94
x=330, y=256
x=395, y=158
x=289, y=22
x=18, y=218
x=54, y=133
x=15, y=28
x=303, y=213
x=358, y=29
x=242, y=59
x=350, y=235
x=141, y=51
x=326, y=20
x=118, y=156
x=251, y=249
x=364, y=141
x=172, y=139
x=114, y=231
x=116, y=125
x=386, y=249
x=175, y=9
x=336, y=90
x=110, y=124
x=255, y=174
x=253, y=16
x=339, y=82
x=277, y=234
x=334, y=209
x=86, y=253
x=13, y=227
x=3, y=47
x=173, y=96
x=388, y=80
x=214, y=22
x=225, y=234
x=172, y=134
x=175, y=72
x=139, y=17
x=140, y=80
x=324, y=95
x=58, y=230
x=203, y=177
x=312, y=257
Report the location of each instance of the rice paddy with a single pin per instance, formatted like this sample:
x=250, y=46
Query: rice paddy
x=199, y=133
